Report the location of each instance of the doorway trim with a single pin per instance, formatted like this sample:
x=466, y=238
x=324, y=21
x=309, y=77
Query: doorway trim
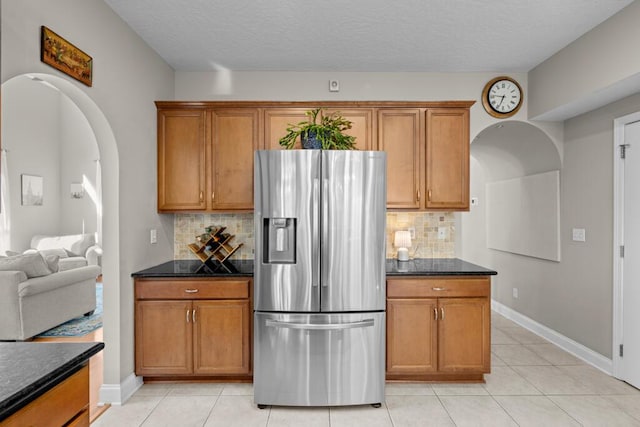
x=618, y=236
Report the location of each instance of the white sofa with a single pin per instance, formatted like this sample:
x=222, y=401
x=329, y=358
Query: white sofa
x=74, y=250
x=33, y=300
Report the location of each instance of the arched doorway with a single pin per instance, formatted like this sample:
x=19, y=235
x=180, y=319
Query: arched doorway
x=108, y=154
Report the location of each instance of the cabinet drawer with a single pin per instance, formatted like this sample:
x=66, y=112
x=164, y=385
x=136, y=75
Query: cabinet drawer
x=476, y=286
x=192, y=289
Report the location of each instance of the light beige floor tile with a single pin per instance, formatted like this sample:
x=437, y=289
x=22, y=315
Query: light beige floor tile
x=408, y=389
x=131, y=414
x=153, y=390
x=496, y=361
x=506, y=381
x=476, y=411
x=552, y=380
x=524, y=336
x=238, y=389
x=196, y=389
x=500, y=321
x=362, y=415
x=294, y=417
x=554, y=354
x=629, y=404
x=499, y=337
x=535, y=411
x=594, y=411
x=514, y=355
x=237, y=411
x=459, y=389
x=417, y=411
x=185, y=411
x=598, y=381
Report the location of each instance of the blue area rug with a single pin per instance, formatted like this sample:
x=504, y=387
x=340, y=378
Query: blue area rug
x=80, y=325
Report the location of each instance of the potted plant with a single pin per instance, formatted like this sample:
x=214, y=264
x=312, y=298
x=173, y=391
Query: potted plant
x=320, y=131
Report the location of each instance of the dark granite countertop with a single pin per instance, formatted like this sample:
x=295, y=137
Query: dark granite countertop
x=29, y=369
x=195, y=268
x=436, y=267
x=415, y=267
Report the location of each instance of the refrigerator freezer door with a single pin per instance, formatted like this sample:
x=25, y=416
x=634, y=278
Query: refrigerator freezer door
x=353, y=230
x=286, y=218
x=319, y=359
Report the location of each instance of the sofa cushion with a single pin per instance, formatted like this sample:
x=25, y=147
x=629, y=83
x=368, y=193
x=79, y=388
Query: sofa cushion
x=74, y=244
x=33, y=265
x=57, y=280
x=71, y=262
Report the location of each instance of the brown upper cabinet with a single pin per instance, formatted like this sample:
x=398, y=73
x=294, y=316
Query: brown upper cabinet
x=205, y=158
x=205, y=149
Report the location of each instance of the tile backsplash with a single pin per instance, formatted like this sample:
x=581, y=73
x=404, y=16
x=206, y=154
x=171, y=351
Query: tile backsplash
x=425, y=245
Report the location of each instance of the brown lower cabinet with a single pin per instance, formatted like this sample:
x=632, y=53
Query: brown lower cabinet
x=438, y=329
x=193, y=328
x=65, y=404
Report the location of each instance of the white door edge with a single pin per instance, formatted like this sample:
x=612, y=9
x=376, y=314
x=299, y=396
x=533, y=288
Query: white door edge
x=618, y=235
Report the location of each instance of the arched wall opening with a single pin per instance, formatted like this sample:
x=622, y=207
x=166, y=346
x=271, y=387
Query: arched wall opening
x=108, y=155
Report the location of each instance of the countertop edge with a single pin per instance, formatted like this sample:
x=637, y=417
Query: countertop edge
x=28, y=394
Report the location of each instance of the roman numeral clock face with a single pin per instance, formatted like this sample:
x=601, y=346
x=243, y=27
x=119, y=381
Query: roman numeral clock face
x=502, y=97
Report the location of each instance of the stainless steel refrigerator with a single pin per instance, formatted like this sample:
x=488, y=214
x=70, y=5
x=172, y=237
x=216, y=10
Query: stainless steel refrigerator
x=319, y=277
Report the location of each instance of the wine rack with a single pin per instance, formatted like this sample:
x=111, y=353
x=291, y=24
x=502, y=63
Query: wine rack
x=213, y=248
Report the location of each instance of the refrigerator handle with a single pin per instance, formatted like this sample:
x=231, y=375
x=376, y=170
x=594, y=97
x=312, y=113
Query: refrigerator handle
x=315, y=236
x=325, y=231
x=320, y=326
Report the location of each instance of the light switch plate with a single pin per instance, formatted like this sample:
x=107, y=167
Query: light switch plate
x=153, y=236
x=579, y=235
x=442, y=233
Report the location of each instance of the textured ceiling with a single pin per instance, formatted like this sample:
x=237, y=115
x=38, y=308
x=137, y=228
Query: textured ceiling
x=361, y=35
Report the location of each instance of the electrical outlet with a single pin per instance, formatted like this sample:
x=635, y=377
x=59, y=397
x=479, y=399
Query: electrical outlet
x=334, y=86
x=412, y=231
x=515, y=293
x=153, y=236
x=442, y=233
x=474, y=201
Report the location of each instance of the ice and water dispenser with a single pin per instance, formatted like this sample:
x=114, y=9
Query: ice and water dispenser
x=280, y=243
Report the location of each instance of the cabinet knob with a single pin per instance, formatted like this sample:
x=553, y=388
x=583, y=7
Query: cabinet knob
x=193, y=315
x=213, y=196
x=418, y=195
x=438, y=289
x=429, y=195
x=435, y=314
x=188, y=315
x=201, y=196
x=441, y=313
x=191, y=291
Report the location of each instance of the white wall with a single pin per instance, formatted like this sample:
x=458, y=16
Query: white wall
x=600, y=67
x=127, y=77
x=47, y=135
x=78, y=155
x=31, y=135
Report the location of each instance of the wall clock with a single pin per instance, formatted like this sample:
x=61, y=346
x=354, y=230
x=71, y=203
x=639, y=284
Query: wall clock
x=502, y=97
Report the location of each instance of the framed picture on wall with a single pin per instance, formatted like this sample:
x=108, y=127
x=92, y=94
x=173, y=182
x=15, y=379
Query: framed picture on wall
x=64, y=56
x=32, y=190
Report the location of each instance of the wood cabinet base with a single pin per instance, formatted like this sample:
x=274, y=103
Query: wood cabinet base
x=199, y=379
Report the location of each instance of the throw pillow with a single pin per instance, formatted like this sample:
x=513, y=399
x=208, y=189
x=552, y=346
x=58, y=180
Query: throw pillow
x=52, y=262
x=33, y=265
x=60, y=252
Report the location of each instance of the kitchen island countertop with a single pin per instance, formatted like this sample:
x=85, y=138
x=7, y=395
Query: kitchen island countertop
x=30, y=369
x=244, y=268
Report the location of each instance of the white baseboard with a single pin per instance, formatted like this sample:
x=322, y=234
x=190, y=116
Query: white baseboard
x=567, y=344
x=117, y=394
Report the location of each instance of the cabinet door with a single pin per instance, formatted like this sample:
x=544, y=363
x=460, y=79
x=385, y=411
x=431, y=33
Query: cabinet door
x=222, y=337
x=411, y=336
x=181, y=160
x=464, y=335
x=399, y=135
x=361, y=126
x=447, y=159
x=235, y=136
x=276, y=122
x=164, y=338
